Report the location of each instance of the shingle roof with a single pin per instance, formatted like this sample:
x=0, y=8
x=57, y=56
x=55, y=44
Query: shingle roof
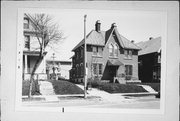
x=93, y=38
x=101, y=38
x=125, y=43
x=150, y=46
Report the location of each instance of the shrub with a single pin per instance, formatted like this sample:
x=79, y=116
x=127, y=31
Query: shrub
x=26, y=85
x=65, y=87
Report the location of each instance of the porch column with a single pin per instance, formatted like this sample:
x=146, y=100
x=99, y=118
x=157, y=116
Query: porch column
x=25, y=64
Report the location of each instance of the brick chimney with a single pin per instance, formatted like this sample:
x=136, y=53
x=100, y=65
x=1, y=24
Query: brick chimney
x=113, y=25
x=150, y=38
x=98, y=26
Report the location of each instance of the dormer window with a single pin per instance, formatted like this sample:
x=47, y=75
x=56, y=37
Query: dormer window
x=26, y=23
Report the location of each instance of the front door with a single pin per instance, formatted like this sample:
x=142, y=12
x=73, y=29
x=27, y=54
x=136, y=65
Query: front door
x=113, y=72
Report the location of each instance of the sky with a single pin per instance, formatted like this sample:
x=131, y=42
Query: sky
x=134, y=25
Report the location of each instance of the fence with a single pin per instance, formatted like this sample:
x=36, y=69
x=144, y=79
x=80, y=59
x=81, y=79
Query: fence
x=37, y=76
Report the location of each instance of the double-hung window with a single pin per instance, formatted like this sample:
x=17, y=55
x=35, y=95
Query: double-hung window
x=128, y=54
x=97, y=69
x=111, y=50
x=128, y=71
x=26, y=23
x=115, y=50
x=27, y=42
x=95, y=50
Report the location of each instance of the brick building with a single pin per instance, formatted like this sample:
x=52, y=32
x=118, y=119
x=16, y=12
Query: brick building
x=110, y=56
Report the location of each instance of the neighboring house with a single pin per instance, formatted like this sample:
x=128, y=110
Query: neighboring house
x=109, y=56
x=30, y=51
x=60, y=68
x=150, y=60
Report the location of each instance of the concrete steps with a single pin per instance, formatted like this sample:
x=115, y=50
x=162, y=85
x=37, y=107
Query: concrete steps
x=46, y=88
x=148, y=88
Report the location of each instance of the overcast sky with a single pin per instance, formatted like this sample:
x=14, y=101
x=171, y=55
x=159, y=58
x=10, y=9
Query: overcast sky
x=134, y=25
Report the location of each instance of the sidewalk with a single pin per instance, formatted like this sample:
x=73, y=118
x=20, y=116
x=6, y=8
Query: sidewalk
x=104, y=96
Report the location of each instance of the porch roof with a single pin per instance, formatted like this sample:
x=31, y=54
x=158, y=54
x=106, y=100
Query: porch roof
x=114, y=63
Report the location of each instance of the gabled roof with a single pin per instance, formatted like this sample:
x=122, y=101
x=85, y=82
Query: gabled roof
x=93, y=38
x=125, y=43
x=150, y=46
x=102, y=37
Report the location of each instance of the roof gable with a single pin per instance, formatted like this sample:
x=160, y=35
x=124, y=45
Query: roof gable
x=150, y=46
x=101, y=38
x=93, y=38
x=124, y=42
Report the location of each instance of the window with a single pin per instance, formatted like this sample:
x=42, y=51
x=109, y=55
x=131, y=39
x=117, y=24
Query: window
x=82, y=52
x=77, y=54
x=100, y=51
x=82, y=69
x=97, y=69
x=110, y=50
x=26, y=23
x=95, y=50
x=115, y=50
x=27, y=42
x=77, y=70
x=128, y=54
x=128, y=70
x=100, y=69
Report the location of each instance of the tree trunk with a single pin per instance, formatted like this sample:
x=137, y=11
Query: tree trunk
x=32, y=75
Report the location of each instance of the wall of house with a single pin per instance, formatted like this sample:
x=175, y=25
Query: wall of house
x=41, y=67
x=149, y=67
x=146, y=67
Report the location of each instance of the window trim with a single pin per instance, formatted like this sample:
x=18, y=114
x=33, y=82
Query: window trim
x=97, y=69
x=131, y=70
x=129, y=54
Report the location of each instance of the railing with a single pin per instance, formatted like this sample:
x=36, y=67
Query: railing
x=37, y=76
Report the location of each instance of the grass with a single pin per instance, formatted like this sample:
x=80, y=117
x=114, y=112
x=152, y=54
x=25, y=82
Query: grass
x=118, y=88
x=65, y=87
x=25, y=88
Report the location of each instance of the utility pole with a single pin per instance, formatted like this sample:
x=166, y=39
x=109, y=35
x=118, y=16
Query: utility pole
x=85, y=58
x=53, y=56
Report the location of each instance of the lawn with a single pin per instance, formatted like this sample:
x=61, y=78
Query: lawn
x=118, y=88
x=25, y=88
x=65, y=87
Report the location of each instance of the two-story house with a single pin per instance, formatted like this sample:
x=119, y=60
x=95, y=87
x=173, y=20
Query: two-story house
x=31, y=51
x=150, y=60
x=109, y=55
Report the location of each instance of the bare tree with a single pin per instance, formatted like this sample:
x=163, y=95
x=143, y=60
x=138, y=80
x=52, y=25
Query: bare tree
x=47, y=33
